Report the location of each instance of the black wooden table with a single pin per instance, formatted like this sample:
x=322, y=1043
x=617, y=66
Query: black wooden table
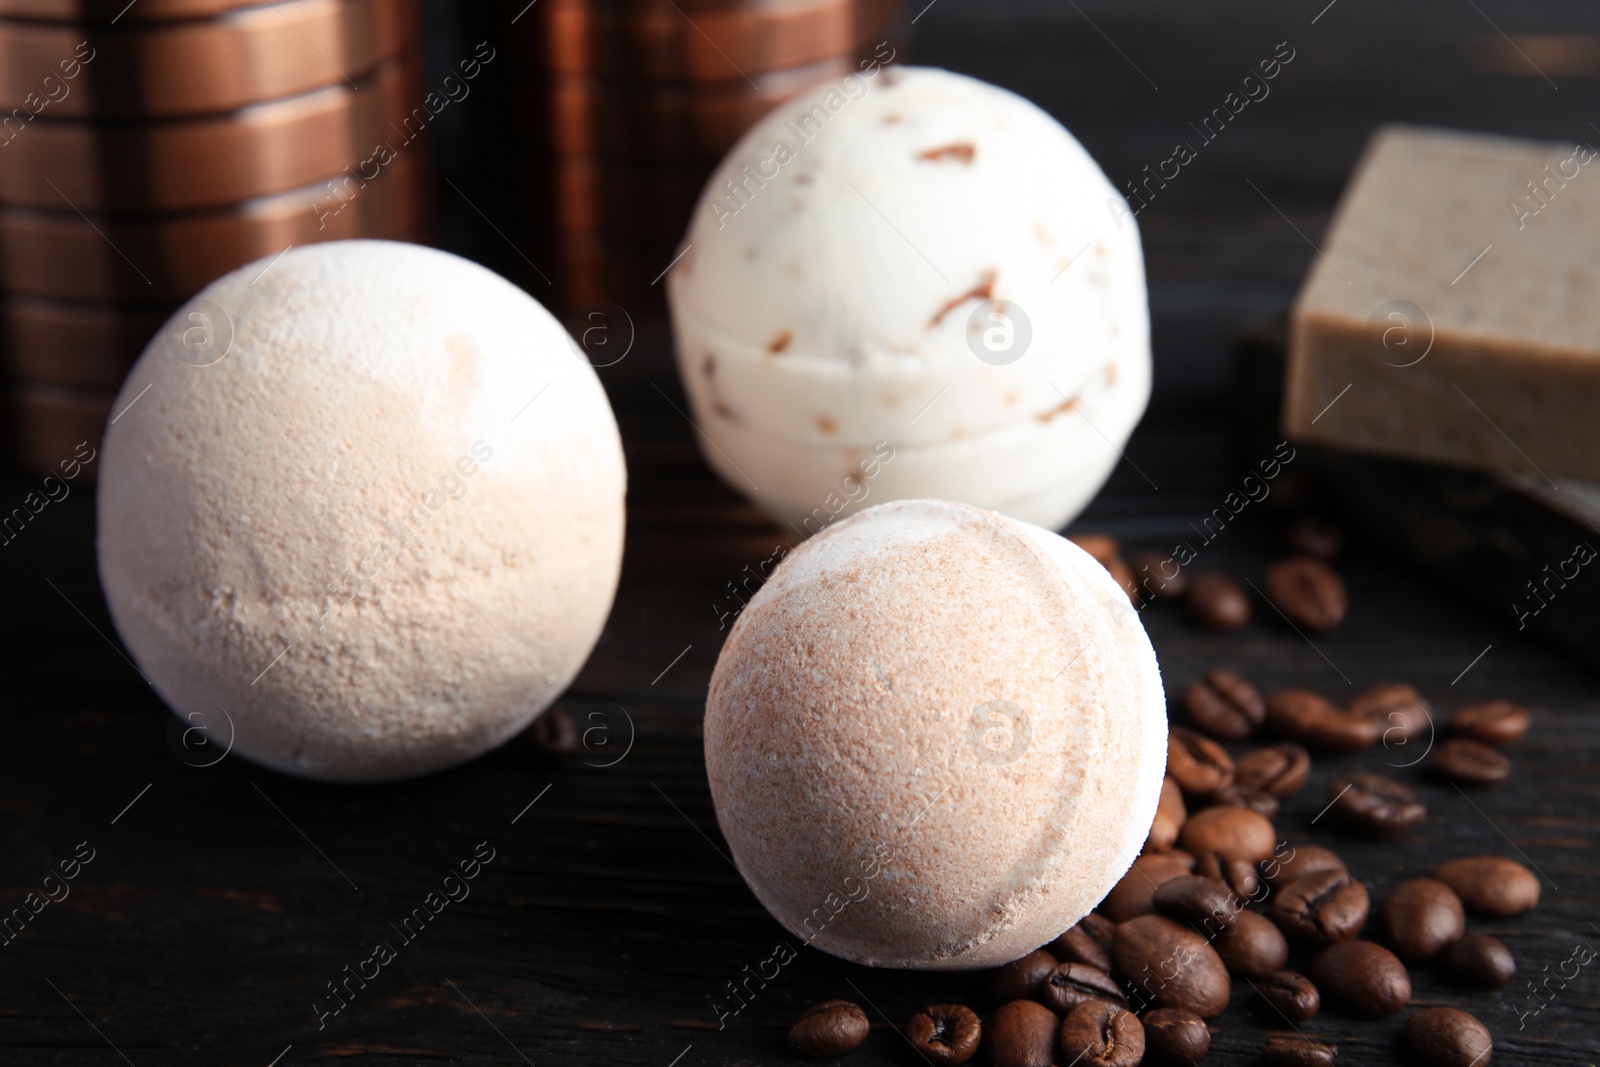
x=221, y=900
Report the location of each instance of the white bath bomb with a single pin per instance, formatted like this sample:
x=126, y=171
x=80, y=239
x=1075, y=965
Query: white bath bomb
x=935, y=738
x=918, y=258
x=361, y=511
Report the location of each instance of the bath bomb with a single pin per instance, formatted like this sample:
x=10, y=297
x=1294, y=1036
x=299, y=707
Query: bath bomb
x=913, y=258
x=935, y=737
x=360, y=511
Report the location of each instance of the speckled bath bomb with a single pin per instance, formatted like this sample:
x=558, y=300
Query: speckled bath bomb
x=935, y=737
x=361, y=511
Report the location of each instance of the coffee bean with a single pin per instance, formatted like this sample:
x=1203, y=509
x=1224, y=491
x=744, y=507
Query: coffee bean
x=1224, y=705
x=1238, y=875
x=1070, y=984
x=1375, y=806
x=1201, y=902
x=1175, y=1036
x=829, y=1029
x=1422, y=918
x=1312, y=536
x=556, y=732
x=1123, y=576
x=1308, y=592
x=1479, y=961
x=1234, y=831
x=1169, y=965
x=1491, y=885
x=1285, y=867
x=1021, y=979
x=1362, y=977
x=1160, y=576
x=1217, y=602
x=1290, y=995
x=1103, y=547
x=1303, y=716
x=1089, y=941
x=1401, y=711
x=1252, y=946
x=1467, y=762
x=1103, y=1035
x=1021, y=1033
x=1320, y=908
x=1198, y=764
x=1279, y=769
x=1499, y=722
x=1170, y=816
x=1238, y=796
x=1446, y=1037
x=947, y=1035
x=1131, y=897
x=1298, y=1052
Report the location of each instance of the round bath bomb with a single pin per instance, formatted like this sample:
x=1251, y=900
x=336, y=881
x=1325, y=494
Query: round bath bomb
x=912, y=260
x=361, y=511
x=935, y=737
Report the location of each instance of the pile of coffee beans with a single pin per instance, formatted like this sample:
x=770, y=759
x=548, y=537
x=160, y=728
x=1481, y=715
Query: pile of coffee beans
x=1218, y=897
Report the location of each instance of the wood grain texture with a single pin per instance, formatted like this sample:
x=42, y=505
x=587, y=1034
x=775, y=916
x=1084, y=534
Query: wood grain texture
x=609, y=921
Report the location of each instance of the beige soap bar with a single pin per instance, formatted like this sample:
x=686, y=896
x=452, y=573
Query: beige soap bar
x=1453, y=311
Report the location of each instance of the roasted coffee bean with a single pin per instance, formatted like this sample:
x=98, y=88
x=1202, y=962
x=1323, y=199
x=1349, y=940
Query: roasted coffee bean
x=1159, y=576
x=1362, y=977
x=1238, y=875
x=1224, y=705
x=556, y=732
x=1467, y=762
x=1122, y=574
x=1234, y=831
x=1298, y=1052
x=1170, y=816
x=1401, y=711
x=1168, y=965
x=1070, y=984
x=1217, y=602
x=1491, y=885
x=1131, y=897
x=1374, y=806
x=1279, y=769
x=1089, y=941
x=1203, y=903
x=829, y=1029
x=947, y=1035
x=1099, y=1034
x=1320, y=908
x=1287, y=865
x=1198, y=764
x=1303, y=716
x=1175, y=1036
x=1479, y=961
x=1291, y=995
x=1499, y=723
x=1252, y=946
x=1103, y=547
x=1312, y=536
x=1308, y=592
x=1422, y=918
x=1021, y=1033
x=1446, y=1037
x=1238, y=796
x=1021, y=979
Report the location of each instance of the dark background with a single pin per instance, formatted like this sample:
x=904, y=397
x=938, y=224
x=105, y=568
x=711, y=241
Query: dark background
x=219, y=904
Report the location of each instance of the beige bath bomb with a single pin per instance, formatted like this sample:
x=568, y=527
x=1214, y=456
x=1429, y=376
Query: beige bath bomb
x=361, y=511
x=935, y=737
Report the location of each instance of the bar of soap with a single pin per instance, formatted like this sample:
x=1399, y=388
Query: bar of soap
x=935, y=738
x=1453, y=314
